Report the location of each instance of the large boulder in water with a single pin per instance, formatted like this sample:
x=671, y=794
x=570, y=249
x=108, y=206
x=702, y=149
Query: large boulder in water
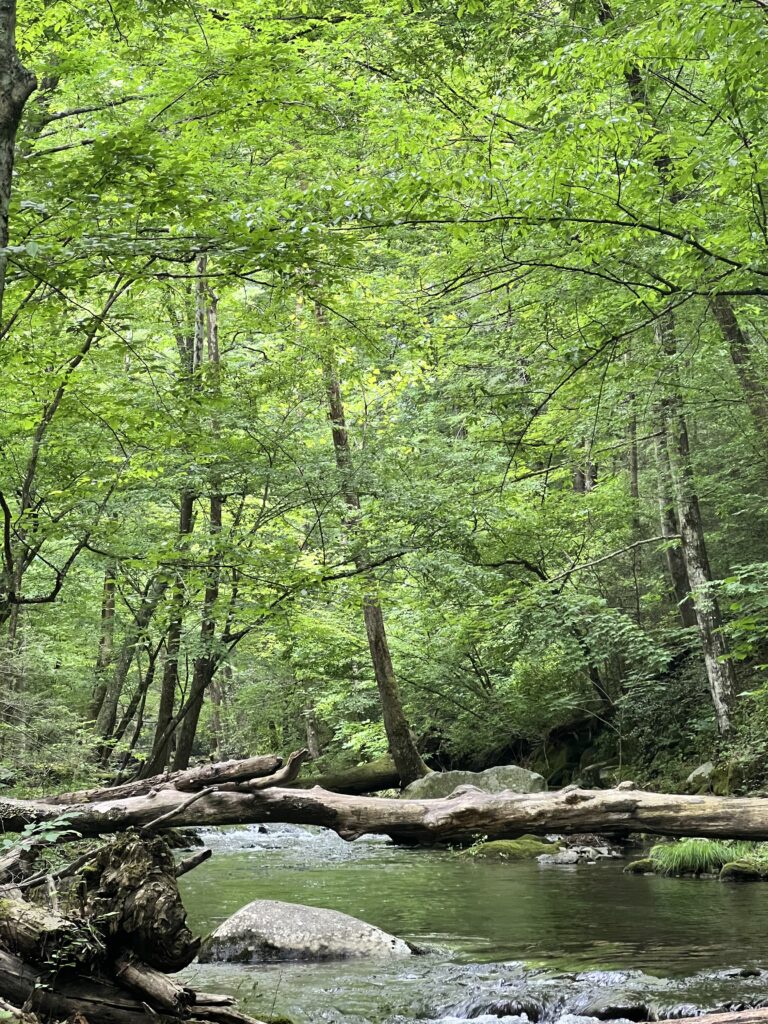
x=492, y=780
x=270, y=930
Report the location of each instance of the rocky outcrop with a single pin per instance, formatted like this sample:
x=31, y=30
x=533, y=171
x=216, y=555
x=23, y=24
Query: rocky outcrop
x=270, y=930
x=493, y=780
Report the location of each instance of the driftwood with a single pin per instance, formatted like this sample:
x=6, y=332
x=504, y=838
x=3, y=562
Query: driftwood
x=104, y=1001
x=107, y=962
x=458, y=818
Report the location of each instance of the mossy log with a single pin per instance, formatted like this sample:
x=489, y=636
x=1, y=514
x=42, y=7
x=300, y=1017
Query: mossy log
x=365, y=778
x=41, y=936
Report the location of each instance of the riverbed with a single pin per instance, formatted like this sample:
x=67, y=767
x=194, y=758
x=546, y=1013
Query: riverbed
x=506, y=937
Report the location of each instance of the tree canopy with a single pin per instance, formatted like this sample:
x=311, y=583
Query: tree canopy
x=384, y=377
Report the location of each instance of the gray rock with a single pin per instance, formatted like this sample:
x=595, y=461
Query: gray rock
x=270, y=930
x=701, y=775
x=579, y=855
x=563, y=857
x=492, y=780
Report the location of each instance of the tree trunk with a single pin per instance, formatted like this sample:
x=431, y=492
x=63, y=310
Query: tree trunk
x=720, y=674
x=159, y=757
x=105, y=723
x=741, y=355
x=402, y=745
x=189, y=781
x=16, y=86
x=670, y=528
x=139, y=695
x=106, y=641
x=207, y=662
x=365, y=778
x=310, y=729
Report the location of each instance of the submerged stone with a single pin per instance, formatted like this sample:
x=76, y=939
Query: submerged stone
x=493, y=780
x=644, y=866
x=271, y=930
x=741, y=871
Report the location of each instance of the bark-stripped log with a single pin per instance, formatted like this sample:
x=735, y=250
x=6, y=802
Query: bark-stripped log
x=459, y=817
x=187, y=781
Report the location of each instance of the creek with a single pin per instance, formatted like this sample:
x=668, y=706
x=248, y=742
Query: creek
x=507, y=938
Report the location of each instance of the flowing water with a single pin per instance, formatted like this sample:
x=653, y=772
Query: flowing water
x=506, y=937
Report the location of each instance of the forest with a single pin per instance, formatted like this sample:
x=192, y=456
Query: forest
x=383, y=382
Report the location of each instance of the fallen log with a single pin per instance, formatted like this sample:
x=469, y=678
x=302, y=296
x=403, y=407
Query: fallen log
x=108, y=962
x=186, y=781
x=100, y=1000
x=459, y=818
x=35, y=933
x=758, y=1015
x=365, y=778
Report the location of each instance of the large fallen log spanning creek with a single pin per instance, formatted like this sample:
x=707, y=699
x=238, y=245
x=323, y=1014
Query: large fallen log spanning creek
x=461, y=817
x=96, y=939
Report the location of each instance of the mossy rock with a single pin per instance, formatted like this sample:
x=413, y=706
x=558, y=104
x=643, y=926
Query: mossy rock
x=640, y=867
x=524, y=848
x=727, y=780
x=741, y=871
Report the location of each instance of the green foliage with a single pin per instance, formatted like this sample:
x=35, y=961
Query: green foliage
x=42, y=833
x=475, y=219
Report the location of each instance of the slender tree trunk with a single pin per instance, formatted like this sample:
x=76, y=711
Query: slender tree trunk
x=160, y=752
x=216, y=724
x=139, y=695
x=191, y=346
x=105, y=723
x=402, y=745
x=670, y=528
x=16, y=86
x=310, y=727
x=719, y=667
x=741, y=355
x=106, y=641
x=207, y=662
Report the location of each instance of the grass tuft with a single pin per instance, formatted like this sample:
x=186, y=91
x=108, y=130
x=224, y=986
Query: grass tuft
x=704, y=856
